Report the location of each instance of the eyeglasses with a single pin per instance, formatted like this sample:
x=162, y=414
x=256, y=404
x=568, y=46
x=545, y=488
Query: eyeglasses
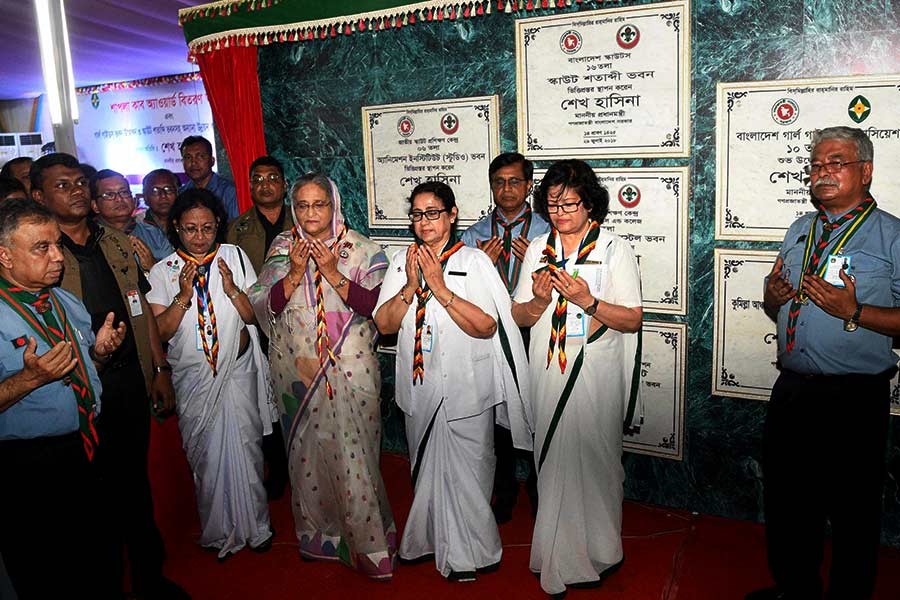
x=206, y=230
x=167, y=190
x=499, y=183
x=317, y=206
x=568, y=207
x=271, y=178
x=832, y=166
x=110, y=196
x=432, y=214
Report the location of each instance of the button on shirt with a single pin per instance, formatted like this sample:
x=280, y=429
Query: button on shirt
x=223, y=189
x=822, y=346
x=51, y=409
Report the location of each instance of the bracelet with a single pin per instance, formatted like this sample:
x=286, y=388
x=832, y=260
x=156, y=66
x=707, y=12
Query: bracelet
x=157, y=369
x=450, y=301
x=182, y=305
x=403, y=297
x=341, y=283
x=92, y=352
x=235, y=294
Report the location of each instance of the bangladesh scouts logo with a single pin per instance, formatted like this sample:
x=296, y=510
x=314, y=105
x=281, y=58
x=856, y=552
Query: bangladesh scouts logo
x=629, y=196
x=859, y=109
x=405, y=126
x=449, y=124
x=19, y=342
x=628, y=36
x=95, y=100
x=570, y=42
x=785, y=111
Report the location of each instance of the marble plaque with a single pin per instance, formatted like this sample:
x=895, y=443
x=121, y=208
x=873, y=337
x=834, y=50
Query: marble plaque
x=744, y=338
x=649, y=209
x=452, y=141
x=763, y=133
x=605, y=83
x=663, y=357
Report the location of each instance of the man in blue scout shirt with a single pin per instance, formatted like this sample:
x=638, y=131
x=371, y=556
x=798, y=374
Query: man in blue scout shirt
x=198, y=160
x=504, y=235
x=834, y=290
x=51, y=536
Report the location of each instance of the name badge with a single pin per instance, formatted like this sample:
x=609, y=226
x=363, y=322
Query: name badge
x=836, y=264
x=427, y=339
x=575, y=321
x=593, y=274
x=134, y=303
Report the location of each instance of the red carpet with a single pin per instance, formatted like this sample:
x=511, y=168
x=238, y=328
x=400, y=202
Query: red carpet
x=669, y=554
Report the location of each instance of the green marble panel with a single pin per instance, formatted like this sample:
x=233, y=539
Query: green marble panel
x=312, y=93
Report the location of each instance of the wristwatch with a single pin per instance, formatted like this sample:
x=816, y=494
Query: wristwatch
x=853, y=323
x=590, y=310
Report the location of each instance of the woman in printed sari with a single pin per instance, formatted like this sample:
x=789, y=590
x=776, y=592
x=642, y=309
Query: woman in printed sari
x=459, y=354
x=223, y=397
x=583, y=304
x=315, y=296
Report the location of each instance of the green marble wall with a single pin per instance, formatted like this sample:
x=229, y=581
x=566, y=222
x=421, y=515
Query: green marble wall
x=312, y=94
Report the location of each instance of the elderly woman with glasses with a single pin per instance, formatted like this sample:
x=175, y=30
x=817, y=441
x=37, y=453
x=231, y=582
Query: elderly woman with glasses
x=315, y=296
x=221, y=377
x=580, y=292
x=459, y=354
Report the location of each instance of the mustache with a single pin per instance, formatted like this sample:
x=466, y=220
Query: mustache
x=824, y=181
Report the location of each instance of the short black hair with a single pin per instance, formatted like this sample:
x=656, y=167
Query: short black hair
x=578, y=176
x=6, y=170
x=267, y=161
x=442, y=192
x=36, y=174
x=194, y=198
x=8, y=185
x=16, y=210
x=99, y=176
x=512, y=158
x=156, y=173
x=195, y=139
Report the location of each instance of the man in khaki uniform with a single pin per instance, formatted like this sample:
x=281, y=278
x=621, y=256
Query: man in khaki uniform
x=254, y=231
x=101, y=271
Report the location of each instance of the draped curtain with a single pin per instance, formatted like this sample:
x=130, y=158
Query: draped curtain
x=232, y=86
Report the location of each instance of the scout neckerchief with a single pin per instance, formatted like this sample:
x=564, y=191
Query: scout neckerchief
x=423, y=295
x=558, y=319
x=205, y=308
x=506, y=257
x=813, y=256
x=151, y=219
x=52, y=333
x=130, y=226
x=323, y=344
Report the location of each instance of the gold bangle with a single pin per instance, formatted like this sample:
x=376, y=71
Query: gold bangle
x=182, y=305
x=235, y=294
x=403, y=298
x=450, y=301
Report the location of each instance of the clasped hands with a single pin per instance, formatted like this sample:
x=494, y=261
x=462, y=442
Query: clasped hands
x=303, y=250
x=574, y=289
x=836, y=301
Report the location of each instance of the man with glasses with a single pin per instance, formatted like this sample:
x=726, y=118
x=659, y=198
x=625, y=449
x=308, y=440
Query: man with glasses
x=113, y=203
x=160, y=188
x=100, y=271
x=198, y=160
x=254, y=232
x=834, y=292
x=504, y=235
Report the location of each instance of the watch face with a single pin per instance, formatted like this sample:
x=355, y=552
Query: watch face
x=850, y=326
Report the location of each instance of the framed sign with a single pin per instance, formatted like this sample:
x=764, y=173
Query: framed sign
x=452, y=141
x=663, y=358
x=744, y=337
x=763, y=134
x=606, y=83
x=649, y=209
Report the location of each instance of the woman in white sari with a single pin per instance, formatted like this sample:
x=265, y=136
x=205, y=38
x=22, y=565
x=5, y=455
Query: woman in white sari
x=583, y=304
x=221, y=378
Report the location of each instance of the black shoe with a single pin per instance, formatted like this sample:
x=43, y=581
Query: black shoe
x=502, y=512
x=590, y=585
x=162, y=589
x=417, y=560
x=266, y=545
x=769, y=593
x=462, y=576
x=488, y=569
